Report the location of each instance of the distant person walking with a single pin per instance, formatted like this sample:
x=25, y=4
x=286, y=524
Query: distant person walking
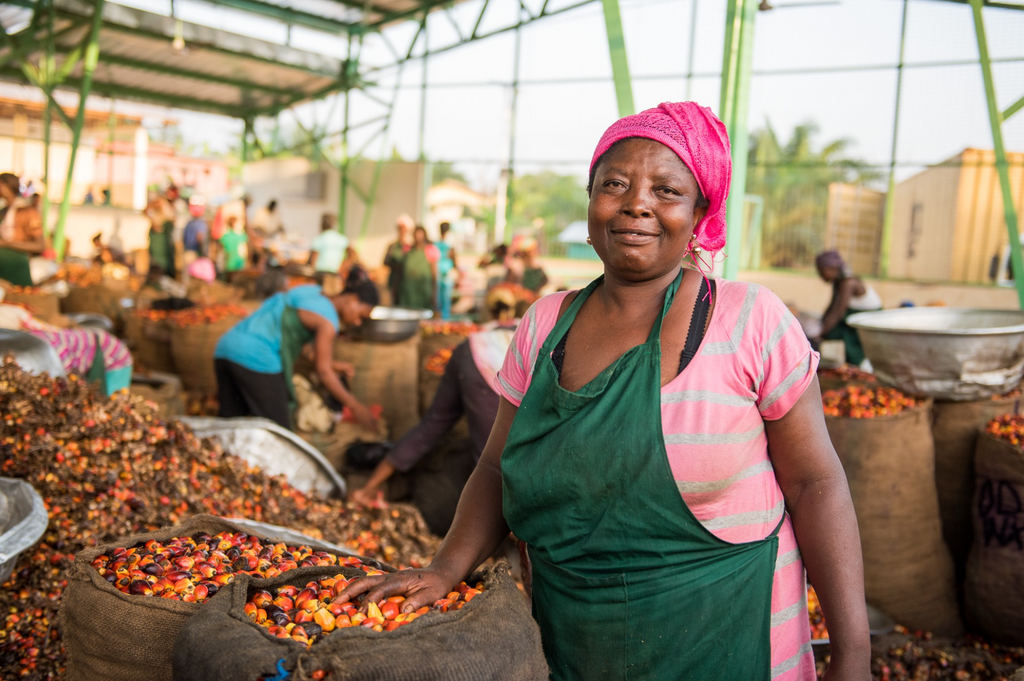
x=329, y=247
x=196, y=235
x=394, y=258
x=419, y=278
x=447, y=273
x=160, y=213
x=234, y=242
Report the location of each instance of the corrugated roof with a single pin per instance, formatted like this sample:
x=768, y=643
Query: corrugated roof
x=216, y=71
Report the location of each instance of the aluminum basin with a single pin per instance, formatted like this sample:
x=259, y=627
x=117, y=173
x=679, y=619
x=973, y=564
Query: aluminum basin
x=392, y=324
x=947, y=353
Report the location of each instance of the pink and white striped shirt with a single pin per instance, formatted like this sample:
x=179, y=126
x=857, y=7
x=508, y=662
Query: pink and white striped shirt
x=752, y=366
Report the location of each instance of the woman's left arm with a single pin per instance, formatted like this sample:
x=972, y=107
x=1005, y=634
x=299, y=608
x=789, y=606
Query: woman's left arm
x=818, y=500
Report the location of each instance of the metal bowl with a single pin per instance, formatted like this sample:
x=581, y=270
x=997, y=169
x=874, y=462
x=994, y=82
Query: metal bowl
x=92, y=320
x=23, y=519
x=392, y=324
x=32, y=354
x=947, y=353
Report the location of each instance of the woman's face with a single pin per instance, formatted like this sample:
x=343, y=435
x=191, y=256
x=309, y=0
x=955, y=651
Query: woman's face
x=643, y=209
x=420, y=236
x=352, y=310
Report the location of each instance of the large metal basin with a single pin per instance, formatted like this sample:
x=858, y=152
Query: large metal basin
x=23, y=520
x=277, y=451
x=31, y=353
x=947, y=353
x=392, y=324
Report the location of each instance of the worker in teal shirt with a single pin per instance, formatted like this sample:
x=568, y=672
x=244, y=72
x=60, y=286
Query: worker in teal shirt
x=254, y=360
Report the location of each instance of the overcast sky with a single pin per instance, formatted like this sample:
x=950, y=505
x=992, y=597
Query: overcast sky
x=558, y=123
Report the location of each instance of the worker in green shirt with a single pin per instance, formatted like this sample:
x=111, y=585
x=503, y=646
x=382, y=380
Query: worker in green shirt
x=235, y=245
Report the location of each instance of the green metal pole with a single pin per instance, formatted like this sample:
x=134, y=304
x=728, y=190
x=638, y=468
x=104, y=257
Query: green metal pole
x=693, y=46
x=1002, y=169
x=513, y=110
x=620, y=65
x=890, y=198
x=737, y=126
x=246, y=152
x=92, y=56
x=344, y=164
x=730, y=53
x=428, y=169
x=111, y=138
x=50, y=67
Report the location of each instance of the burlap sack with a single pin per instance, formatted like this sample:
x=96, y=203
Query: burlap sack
x=149, y=342
x=192, y=349
x=386, y=374
x=994, y=592
x=164, y=390
x=493, y=637
x=45, y=306
x=955, y=428
x=112, y=636
x=213, y=293
x=890, y=465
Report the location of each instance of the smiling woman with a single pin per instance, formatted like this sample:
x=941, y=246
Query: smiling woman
x=660, y=447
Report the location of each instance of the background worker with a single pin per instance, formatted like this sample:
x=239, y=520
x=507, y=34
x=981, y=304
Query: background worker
x=255, y=359
x=21, y=233
x=468, y=387
x=394, y=258
x=327, y=252
x=235, y=245
x=419, y=273
x=850, y=295
x=447, y=272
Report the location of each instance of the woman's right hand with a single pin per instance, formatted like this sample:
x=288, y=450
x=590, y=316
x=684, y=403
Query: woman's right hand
x=363, y=416
x=420, y=586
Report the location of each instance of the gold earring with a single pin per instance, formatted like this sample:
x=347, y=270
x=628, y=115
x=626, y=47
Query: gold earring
x=589, y=242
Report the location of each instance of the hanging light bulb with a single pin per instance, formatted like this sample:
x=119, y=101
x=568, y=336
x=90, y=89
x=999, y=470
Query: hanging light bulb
x=179, y=38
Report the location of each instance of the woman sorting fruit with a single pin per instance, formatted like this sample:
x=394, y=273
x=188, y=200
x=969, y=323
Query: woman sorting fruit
x=255, y=359
x=660, y=447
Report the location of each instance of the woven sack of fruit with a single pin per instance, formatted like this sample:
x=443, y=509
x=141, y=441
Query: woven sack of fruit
x=955, y=429
x=82, y=299
x=890, y=465
x=386, y=374
x=994, y=591
x=164, y=391
x=213, y=293
x=149, y=341
x=192, y=350
x=114, y=636
x=493, y=637
x=45, y=306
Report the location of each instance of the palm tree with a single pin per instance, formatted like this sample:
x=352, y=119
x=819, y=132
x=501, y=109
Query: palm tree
x=793, y=180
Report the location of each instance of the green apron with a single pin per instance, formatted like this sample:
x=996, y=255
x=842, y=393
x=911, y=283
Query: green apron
x=294, y=335
x=417, y=281
x=14, y=267
x=851, y=340
x=627, y=584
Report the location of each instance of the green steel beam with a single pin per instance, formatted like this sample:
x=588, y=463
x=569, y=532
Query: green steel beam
x=617, y=50
x=1013, y=108
x=736, y=71
x=693, y=48
x=89, y=60
x=288, y=15
x=129, y=30
x=889, y=216
x=195, y=75
x=731, y=47
x=1002, y=169
x=484, y=36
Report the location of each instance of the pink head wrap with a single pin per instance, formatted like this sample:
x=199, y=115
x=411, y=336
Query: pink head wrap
x=203, y=270
x=696, y=135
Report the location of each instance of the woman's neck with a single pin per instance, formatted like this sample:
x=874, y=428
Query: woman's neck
x=632, y=297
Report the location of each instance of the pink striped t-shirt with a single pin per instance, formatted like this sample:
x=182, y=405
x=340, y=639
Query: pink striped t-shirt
x=752, y=366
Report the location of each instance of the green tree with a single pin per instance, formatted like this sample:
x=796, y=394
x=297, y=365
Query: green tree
x=792, y=177
x=549, y=202
x=444, y=170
